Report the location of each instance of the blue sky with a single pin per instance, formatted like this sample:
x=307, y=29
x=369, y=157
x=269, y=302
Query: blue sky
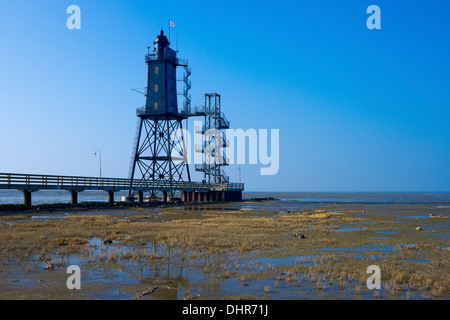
x=357, y=109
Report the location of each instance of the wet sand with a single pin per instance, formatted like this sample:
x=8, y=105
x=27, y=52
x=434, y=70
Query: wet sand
x=245, y=250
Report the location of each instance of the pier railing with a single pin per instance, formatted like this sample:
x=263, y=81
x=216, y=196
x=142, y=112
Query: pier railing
x=37, y=182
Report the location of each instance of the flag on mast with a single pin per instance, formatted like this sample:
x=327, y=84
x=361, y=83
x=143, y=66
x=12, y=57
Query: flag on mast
x=172, y=24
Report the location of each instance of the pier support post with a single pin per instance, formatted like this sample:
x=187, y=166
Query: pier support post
x=164, y=196
x=73, y=196
x=26, y=197
x=140, y=196
x=224, y=196
x=183, y=196
x=111, y=196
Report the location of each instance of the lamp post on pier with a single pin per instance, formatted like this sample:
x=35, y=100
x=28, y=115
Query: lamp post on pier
x=239, y=170
x=100, y=158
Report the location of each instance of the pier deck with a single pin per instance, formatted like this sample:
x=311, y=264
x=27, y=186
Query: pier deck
x=190, y=191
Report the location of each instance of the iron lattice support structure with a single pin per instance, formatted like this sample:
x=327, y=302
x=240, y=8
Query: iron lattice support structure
x=160, y=152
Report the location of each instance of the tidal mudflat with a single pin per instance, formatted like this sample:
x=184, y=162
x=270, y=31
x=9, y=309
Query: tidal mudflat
x=244, y=250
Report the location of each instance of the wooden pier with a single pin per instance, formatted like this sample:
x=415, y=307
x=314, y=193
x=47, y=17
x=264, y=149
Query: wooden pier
x=190, y=191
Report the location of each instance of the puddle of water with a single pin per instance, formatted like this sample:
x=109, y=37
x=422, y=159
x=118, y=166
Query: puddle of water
x=58, y=216
x=348, y=229
x=375, y=238
x=306, y=260
x=23, y=281
x=386, y=232
x=364, y=248
x=192, y=279
x=415, y=260
x=362, y=222
x=289, y=212
x=374, y=257
x=95, y=242
x=416, y=217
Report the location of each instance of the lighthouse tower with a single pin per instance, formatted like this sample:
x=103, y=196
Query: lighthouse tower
x=159, y=154
x=161, y=79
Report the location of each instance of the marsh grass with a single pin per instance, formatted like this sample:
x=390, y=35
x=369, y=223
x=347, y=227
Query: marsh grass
x=217, y=242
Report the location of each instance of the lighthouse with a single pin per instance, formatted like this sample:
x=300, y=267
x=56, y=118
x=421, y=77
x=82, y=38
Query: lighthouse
x=161, y=79
x=158, y=157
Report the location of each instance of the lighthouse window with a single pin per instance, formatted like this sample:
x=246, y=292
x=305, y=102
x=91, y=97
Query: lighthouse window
x=155, y=106
x=155, y=88
x=156, y=70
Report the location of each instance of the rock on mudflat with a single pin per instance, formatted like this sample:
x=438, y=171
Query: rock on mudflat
x=107, y=242
x=49, y=266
